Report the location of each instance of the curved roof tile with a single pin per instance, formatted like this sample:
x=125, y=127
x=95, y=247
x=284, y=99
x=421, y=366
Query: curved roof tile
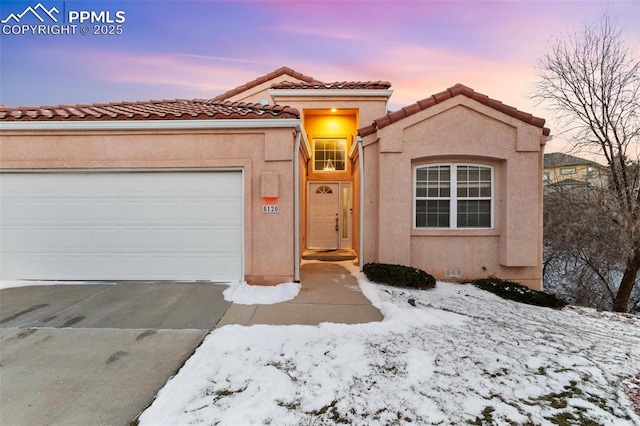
x=178, y=109
x=357, y=85
x=458, y=89
x=263, y=79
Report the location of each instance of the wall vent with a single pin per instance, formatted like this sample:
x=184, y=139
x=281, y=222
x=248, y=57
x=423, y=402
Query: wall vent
x=453, y=272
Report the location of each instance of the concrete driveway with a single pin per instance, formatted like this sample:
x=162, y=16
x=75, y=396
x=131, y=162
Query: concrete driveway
x=97, y=354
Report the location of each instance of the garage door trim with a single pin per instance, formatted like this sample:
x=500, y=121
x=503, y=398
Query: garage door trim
x=238, y=201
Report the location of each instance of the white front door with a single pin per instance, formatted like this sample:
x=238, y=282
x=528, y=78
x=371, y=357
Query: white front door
x=324, y=216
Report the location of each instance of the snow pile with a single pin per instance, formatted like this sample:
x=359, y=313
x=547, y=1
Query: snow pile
x=245, y=294
x=461, y=355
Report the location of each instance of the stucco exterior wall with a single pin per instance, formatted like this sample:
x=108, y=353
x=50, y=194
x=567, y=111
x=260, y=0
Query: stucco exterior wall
x=357, y=174
x=268, y=243
x=371, y=202
x=367, y=108
x=303, y=202
x=330, y=126
x=459, y=130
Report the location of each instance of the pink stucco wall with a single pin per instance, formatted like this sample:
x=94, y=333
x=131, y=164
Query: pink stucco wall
x=459, y=130
x=268, y=248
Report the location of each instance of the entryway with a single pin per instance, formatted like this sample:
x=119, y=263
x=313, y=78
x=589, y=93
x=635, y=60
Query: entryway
x=330, y=216
x=329, y=293
x=330, y=255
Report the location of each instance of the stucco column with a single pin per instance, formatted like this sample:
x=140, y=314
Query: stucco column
x=395, y=209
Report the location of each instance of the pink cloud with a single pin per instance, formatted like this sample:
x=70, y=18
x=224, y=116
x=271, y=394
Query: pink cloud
x=180, y=75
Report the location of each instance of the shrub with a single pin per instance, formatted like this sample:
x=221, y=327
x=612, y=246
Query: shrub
x=399, y=276
x=519, y=293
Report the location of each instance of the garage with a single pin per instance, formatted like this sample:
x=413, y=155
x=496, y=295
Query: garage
x=125, y=225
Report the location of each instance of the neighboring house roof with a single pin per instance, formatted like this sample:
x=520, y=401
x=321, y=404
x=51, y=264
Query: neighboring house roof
x=263, y=79
x=558, y=159
x=353, y=85
x=179, y=109
x=458, y=89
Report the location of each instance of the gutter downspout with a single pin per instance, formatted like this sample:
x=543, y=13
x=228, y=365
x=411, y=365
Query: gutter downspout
x=296, y=206
x=361, y=161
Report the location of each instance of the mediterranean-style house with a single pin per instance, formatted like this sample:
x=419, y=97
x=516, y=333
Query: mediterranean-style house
x=240, y=187
x=568, y=171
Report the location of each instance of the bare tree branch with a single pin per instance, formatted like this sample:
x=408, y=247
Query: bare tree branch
x=591, y=82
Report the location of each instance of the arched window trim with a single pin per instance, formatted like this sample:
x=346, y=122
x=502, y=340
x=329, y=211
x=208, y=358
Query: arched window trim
x=324, y=189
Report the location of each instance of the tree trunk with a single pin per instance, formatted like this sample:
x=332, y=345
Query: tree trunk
x=621, y=301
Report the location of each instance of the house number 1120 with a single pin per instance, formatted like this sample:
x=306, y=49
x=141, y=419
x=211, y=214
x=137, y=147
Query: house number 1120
x=272, y=208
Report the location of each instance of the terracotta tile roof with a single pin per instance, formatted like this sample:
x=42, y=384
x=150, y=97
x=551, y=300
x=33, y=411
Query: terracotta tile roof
x=263, y=79
x=304, y=82
x=179, y=109
x=359, y=85
x=456, y=90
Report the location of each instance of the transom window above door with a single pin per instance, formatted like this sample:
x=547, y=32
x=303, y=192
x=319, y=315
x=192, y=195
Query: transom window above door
x=453, y=196
x=329, y=154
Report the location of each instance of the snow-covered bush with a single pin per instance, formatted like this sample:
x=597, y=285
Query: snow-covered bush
x=399, y=276
x=517, y=292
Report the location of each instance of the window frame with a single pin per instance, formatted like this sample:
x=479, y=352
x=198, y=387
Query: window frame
x=345, y=154
x=453, y=197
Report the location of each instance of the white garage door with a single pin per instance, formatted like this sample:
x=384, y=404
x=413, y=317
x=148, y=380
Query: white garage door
x=121, y=226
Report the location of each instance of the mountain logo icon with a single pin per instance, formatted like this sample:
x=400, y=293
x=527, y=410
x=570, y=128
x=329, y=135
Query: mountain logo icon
x=38, y=11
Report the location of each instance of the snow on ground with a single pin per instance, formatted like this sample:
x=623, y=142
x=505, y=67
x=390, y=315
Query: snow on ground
x=246, y=294
x=461, y=356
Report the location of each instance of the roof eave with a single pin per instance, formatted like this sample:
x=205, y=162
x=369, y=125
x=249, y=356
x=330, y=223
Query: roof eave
x=330, y=93
x=264, y=123
x=263, y=79
x=450, y=93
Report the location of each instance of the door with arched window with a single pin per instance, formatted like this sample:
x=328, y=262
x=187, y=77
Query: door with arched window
x=329, y=216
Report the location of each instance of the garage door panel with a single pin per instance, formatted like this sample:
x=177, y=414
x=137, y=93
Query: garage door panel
x=230, y=212
x=75, y=240
x=46, y=212
x=215, y=240
x=38, y=265
x=104, y=239
x=14, y=236
x=177, y=225
x=224, y=241
x=165, y=239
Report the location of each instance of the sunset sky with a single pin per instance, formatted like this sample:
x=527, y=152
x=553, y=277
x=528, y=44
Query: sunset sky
x=197, y=49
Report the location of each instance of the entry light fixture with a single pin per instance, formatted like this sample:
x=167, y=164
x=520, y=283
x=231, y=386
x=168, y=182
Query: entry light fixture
x=334, y=110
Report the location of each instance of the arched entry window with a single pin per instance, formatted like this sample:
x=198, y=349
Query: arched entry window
x=324, y=190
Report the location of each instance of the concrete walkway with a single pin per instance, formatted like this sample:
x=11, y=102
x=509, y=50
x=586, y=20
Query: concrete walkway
x=97, y=354
x=329, y=293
